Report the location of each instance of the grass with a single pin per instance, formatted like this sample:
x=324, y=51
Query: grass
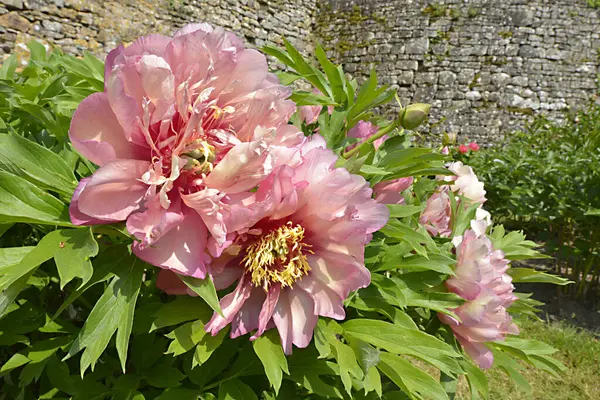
x=579, y=350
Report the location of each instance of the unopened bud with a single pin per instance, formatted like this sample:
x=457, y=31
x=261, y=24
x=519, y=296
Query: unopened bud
x=414, y=115
x=449, y=139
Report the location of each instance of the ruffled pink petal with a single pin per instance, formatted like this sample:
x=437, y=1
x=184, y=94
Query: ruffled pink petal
x=328, y=303
x=241, y=169
x=151, y=44
x=482, y=356
x=96, y=133
x=190, y=28
x=180, y=249
x=390, y=192
x=207, y=203
x=230, y=306
x=154, y=222
x=295, y=319
x=77, y=217
x=267, y=310
x=246, y=319
x=110, y=62
x=114, y=190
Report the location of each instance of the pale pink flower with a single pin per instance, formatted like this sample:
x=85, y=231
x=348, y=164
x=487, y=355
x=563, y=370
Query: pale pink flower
x=310, y=114
x=465, y=183
x=481, y=280
x=390, y=192
x=298, y=250
x=185, y=124
x=364, y=130
x=445, y=151
x=437, y=213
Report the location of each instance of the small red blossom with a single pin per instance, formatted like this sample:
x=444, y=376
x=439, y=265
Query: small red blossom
x=474, y=146
x=463, y=149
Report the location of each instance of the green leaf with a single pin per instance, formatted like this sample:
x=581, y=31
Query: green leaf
x=234, y=389
x=22, y=201
x=336, y=77
x=531, y=275
x=394, y=338
x=410, y=378
x=593, y=211
x=112, y=313
x=182, y=309
x=268, y=349
x=185, y=337
x=164, y=375
x=204, y=288
x=207, y=346
x=434, y=262
x=368, y=357
x=512, y=368
x=309, y=99
x=372, y=382
x=73, y=257
x=403, y=210
x=125, y=388
x=178, y=393
x=478, y=381
x=346, y=359
x=37, y=164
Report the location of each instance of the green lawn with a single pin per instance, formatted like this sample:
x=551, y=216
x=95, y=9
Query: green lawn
x=579, y=350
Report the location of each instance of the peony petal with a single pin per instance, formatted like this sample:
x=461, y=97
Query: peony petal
x=230, y=305
x=241, y=169
x=246, y=319
x=267, y=310
x=339, y=272
x=114, y=190
x=482, y=356
x=169, y=282
x=207, y=203
x=154, y=222
x=304, y=319
x=180, y=249
x=97, y=135
x=77, y=217
x=327, y=302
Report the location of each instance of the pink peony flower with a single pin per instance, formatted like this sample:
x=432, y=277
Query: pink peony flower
x=390, y=192
x=364, y=130
x=445, y=151
x=465, y=183
x=184, y=125
x=463, y=149
x=437, y=214
x=298, y=250
x=310, y=114
x=474, y=146
x=481, y=280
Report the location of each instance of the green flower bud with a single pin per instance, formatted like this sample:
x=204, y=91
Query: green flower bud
x=414, y=115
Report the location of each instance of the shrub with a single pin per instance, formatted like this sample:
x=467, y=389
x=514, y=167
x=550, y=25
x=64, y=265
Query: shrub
x=544, y=180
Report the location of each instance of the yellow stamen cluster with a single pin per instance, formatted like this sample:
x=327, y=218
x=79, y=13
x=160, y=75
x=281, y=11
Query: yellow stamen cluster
x=200, y=156
x=277, y=257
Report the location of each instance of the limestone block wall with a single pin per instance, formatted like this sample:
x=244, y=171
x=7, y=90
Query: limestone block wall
x=99, y=26
x=484, y=65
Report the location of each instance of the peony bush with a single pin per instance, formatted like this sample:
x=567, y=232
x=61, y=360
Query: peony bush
x=180, y=223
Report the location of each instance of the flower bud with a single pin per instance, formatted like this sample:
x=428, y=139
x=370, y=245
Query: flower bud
x=449, y=138
x=414, y=115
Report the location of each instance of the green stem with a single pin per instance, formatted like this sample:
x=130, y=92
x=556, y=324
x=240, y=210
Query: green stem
x=380, y=133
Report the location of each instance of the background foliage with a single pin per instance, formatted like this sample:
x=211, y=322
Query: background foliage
x=546, y=180
x=81, y=318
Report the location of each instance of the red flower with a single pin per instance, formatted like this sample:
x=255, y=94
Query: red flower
x=463, y=149
x=474, y=146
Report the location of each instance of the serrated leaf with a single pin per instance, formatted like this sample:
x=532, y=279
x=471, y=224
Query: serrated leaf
x=207, y=346
x=268, y=349
x=73, y=257
x=112, y=313
x=204, y=288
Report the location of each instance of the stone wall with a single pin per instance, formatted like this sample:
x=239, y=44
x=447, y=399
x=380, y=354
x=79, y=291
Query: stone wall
x=99, y=26
x=484, y=65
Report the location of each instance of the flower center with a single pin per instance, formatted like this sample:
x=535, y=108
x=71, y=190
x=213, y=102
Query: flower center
x=277, y=257
x=199, y=156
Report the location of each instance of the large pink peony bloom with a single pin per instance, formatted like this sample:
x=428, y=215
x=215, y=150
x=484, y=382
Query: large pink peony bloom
x=437, y=214
x=184, y=125
x=481, y=280
x=390, y=192
x=298, y=250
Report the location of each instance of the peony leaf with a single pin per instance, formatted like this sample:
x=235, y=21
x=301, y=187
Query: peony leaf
x=182, y=309
x=164, y=375
x=22, y=201
x=204, y=288
x=112, y=313
x=268, y=348
x=234, y=389
x=73, y=257
x=531, y=275
x=410, y=378
x=185, y=337
x=478, y=381
x=37, y=164
x=207, y=346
